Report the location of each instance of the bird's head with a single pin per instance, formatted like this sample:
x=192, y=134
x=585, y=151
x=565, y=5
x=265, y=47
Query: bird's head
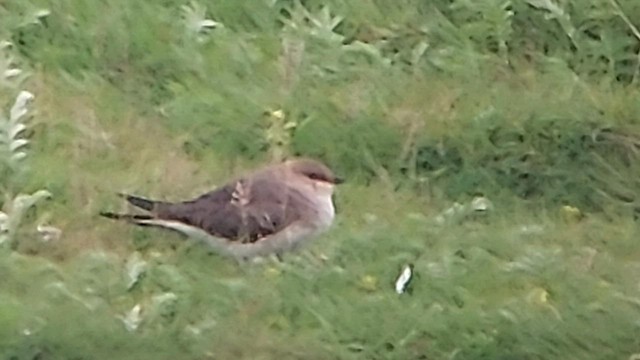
x=313, y=172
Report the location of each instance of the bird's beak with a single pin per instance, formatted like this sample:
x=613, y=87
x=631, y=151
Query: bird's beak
x=338, y=180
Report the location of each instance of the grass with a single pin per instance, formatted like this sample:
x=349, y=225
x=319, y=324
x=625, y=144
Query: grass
x=420, y=105
x=484, y=288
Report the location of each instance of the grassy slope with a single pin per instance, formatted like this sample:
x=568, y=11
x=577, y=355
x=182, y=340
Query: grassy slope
x=126, y=103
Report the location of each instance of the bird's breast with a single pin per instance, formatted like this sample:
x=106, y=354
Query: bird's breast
x=316, y=204
x=325, y=210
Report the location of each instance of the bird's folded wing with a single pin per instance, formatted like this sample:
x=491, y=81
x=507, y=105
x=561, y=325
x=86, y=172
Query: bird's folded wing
x=245, y=210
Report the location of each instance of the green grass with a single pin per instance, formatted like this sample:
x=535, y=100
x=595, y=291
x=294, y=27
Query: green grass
x=483, y=289
x=419, y=104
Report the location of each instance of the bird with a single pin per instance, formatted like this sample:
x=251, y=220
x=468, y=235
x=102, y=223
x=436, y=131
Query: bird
x=270, y=211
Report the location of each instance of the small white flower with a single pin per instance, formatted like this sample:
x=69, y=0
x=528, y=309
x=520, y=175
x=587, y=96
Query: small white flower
x=132, y=318
x=42, y=13
x=402, y=282
x=194, y=16
x=481, y=203
x=208, y=24
x=49, y=233
x=10, y=73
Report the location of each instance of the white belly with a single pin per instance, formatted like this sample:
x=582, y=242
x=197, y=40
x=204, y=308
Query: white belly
x=325, y=210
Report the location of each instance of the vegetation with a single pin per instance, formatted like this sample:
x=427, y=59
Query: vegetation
x=430, y=108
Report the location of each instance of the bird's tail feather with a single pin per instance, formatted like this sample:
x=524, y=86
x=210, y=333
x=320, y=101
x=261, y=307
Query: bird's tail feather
x=150, y=221
x=140, y=219
x=140, y=202
x=134, y=218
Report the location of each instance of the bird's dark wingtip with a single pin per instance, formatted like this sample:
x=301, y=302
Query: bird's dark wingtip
x=110, y=215
x=138, y=201
x=127, y=217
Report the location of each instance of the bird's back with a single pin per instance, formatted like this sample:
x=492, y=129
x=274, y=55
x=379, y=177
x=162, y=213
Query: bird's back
x=244, y=210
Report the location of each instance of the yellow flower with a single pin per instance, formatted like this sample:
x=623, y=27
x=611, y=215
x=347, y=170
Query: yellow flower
x=368, y=283
x=571, y=213
x=272, y=272
x=278, y=114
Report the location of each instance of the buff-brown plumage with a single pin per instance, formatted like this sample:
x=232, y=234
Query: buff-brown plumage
x=269, y=210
